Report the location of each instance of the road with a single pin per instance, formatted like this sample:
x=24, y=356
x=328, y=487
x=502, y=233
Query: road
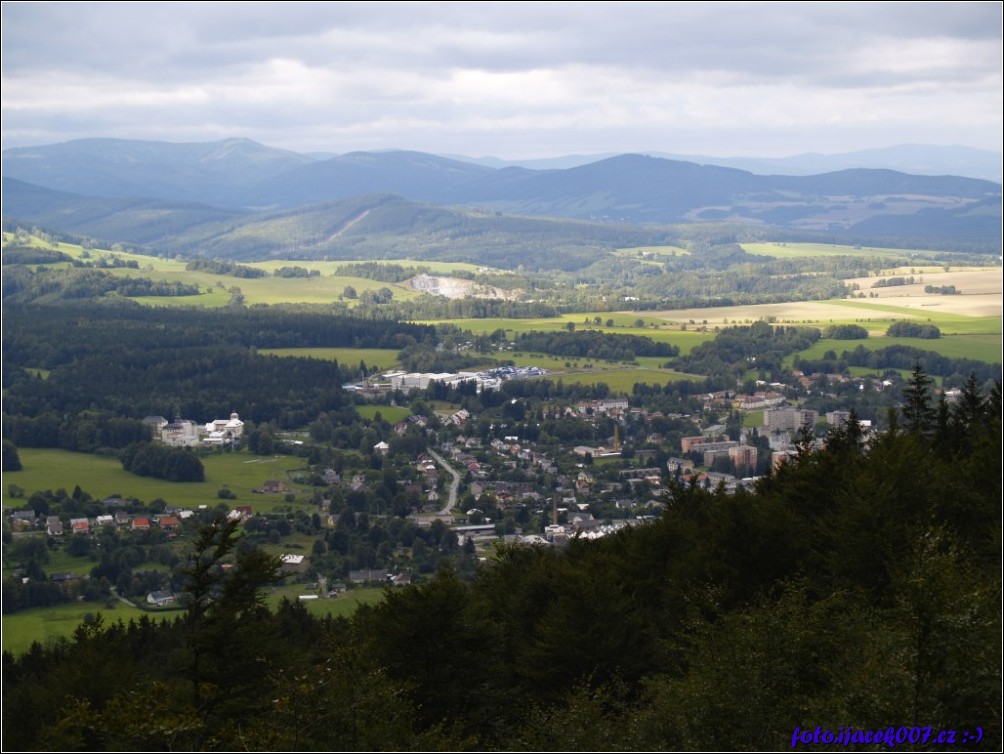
x=454, y=485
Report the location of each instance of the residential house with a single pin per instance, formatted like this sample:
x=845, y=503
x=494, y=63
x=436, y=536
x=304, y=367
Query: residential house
x=160, y=599
x=293, y=563
x=240, y=513
x=169, y=523
x=365, y=575
x=23, y=520
x=80, y=526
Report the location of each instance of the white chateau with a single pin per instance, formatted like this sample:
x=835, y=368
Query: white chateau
x=223, y=431
x=185, y=432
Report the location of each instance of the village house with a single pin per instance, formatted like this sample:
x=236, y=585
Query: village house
x=80, y=526
x=364, y=575
x=160, y=599
x=23, y=520
x=168, y=523
x=293, y=564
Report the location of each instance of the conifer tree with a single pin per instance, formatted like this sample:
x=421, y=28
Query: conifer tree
x=918, y=413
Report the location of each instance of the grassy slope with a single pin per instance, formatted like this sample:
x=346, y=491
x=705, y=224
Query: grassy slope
x=49, y=623
x=48, y=468
x=44, y=624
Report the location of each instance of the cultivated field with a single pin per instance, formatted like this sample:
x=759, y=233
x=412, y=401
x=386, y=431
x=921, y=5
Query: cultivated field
x=785, y=250
x=622, y=380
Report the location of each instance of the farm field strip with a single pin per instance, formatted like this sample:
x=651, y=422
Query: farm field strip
x=651, y=254
x=785, y=250
x=623, y=380
x=979, y=347
x=935, y=308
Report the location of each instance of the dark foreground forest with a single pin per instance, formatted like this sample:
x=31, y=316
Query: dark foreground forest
x=856, y=588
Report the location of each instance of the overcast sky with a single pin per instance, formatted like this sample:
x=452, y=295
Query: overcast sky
x=508, y=79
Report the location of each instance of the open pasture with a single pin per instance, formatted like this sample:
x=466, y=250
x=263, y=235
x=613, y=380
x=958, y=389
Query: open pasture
x=375, y=358
x=338, y=607
x=622, y=380
x=100, y=476
x=657, y=329
x=787, y=250
x=392, y=414
x=979, y=347
x=47, y=624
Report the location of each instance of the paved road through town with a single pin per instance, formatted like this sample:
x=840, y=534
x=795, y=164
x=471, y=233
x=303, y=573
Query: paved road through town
x=454, y=485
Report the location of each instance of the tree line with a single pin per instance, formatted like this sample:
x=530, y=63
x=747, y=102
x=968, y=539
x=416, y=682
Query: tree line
x=594, y=344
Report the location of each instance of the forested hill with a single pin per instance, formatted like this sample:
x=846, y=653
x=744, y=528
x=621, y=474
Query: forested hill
x=629, y=188
x=372, y=226
x=855, y=589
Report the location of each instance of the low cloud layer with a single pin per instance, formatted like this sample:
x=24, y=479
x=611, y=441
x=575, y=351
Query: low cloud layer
x=508, y=79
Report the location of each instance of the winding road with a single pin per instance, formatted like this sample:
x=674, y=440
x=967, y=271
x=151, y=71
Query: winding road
x=454, y=485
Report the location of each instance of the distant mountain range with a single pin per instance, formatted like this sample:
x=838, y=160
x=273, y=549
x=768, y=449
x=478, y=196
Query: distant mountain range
x=917, y=159
x=196, y=197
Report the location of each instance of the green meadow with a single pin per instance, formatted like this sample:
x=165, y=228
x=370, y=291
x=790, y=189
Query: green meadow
x=45, y=624
x=946, y=321
x=786, y=250
x=983, y=347
x=623, y=380
x=341, y=606
x=392, y=414
x=100, y=476
x=624, y=325
x=214, y=289
x=375, y=358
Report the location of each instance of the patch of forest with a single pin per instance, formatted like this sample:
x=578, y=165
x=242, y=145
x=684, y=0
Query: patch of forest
x=132, y=362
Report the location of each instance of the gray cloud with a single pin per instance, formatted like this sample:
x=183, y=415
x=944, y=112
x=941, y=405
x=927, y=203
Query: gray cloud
x=514, y=79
